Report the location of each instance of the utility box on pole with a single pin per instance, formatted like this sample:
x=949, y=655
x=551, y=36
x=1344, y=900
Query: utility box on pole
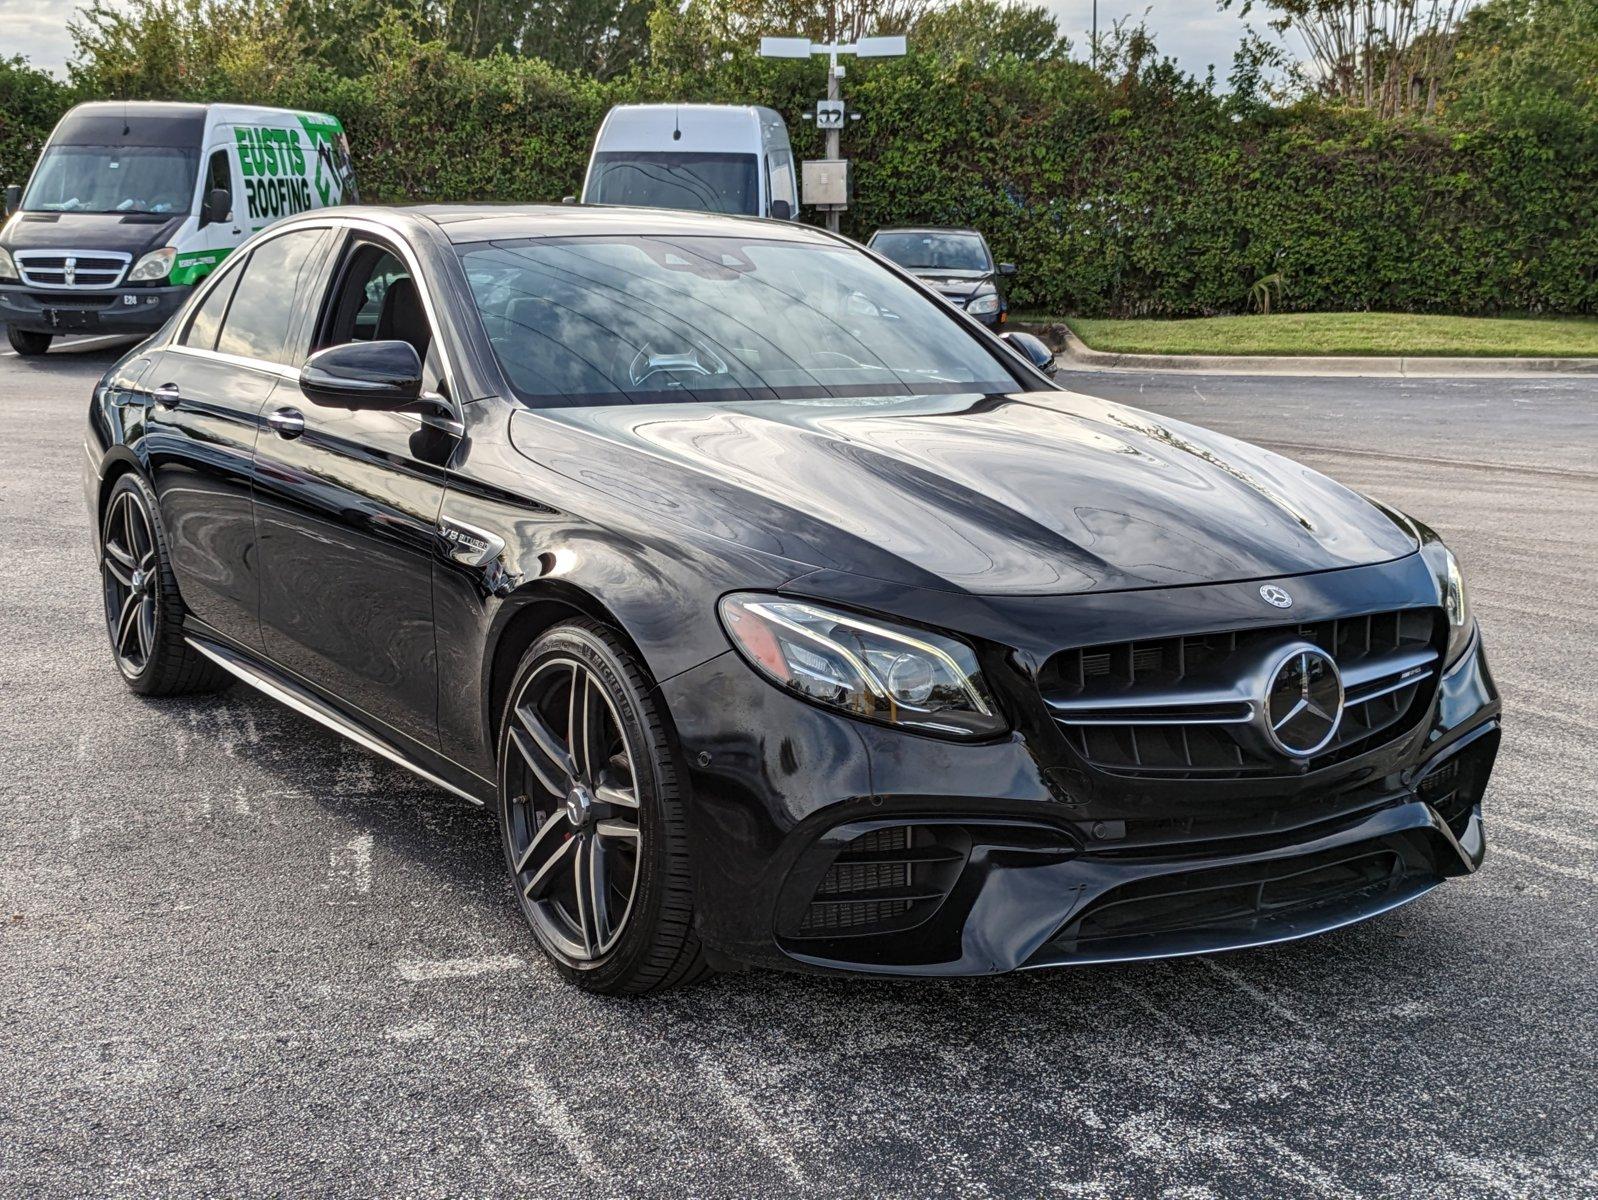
x=826, y=183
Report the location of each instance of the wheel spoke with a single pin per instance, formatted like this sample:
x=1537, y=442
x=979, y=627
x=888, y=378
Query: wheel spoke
x=593, y=912
x=146, y=627
x=539, y=884
x=612, y=828
x=618, y=797
x=543, y=840
x=541, y=750
x=116, y=565
x=588, y=726
x=126, y=622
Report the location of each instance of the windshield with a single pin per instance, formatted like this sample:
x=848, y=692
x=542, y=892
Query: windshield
x=113, y=179
x=724, y=183
x=934, y=251
x=639, y=320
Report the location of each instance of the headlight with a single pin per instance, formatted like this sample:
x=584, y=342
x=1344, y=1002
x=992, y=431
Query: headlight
x=155, y=265
x=1456, y=601
x=8, y=267
x=882, y=672
x=984, y=304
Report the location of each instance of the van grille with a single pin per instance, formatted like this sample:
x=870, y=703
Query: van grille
x=68, y=270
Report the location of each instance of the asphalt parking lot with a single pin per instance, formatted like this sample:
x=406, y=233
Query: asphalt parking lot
x=241, y=957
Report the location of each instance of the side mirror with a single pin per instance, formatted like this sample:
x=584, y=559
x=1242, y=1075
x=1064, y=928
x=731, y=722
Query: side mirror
x=1006, y=268
x=13, y=197
x=568, y=199
x=1033, y=350
x=218, y=207
x=781, y=210
x=381, y=376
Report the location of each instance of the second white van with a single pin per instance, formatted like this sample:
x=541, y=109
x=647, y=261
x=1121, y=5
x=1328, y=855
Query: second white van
x=705, y=157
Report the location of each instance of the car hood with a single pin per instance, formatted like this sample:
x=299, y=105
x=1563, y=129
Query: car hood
x=956, y=283
x=129, y=233
x=1045, y=492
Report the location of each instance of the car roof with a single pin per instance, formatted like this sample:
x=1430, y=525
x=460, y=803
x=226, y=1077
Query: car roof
x=927, y=229
x=464, y=223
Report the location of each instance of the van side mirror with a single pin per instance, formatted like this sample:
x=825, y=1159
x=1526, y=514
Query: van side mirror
x=380, y=376
x=1006, y=268
x=781, y=210
x=568, y=199
x=1033, y=350
x=13, y=197
x=218, y=207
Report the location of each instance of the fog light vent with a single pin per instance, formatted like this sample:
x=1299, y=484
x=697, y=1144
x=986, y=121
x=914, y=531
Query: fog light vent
x=887, y=879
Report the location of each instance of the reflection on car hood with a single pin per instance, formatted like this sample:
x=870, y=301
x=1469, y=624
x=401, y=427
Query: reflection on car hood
x=1046, y=492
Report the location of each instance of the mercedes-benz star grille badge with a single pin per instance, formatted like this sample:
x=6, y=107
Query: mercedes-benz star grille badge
x=1272, y=594
x=1303, y=701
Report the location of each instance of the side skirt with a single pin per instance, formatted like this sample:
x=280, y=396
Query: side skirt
x=306, y=704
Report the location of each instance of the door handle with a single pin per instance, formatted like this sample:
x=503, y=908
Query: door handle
x=168, y=395
x=289, y=422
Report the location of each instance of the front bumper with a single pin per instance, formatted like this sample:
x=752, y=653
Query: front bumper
x=799, y=813
x=126, y=310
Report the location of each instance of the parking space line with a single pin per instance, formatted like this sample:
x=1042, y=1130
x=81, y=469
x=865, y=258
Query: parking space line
x=1553, y=835
x=1544, y=864
x=752, y=1121
x=552, y=1114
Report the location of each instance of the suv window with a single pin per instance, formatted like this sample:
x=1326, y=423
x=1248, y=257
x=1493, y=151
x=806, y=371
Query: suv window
x=264, y=303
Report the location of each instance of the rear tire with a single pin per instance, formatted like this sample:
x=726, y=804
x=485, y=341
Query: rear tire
x=27, y=343
x=592, y=816
x=143, y=612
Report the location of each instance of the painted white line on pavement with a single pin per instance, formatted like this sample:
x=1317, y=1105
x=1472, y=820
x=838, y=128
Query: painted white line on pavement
x=551, y=1113
x=421, y=970
x=1542, y=831
x=752, y=1121
x=1556, y=868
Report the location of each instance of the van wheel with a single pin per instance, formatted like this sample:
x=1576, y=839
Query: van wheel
x=27, y=343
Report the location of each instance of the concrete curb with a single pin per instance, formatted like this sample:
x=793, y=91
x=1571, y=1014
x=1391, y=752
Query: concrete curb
x=1071, y=349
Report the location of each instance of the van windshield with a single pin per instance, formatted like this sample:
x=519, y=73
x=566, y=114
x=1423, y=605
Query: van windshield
x=579, y=321
x=113, y=179
x=721, y=183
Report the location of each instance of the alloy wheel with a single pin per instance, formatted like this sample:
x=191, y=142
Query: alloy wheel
x=130, y=575
x=573, y=815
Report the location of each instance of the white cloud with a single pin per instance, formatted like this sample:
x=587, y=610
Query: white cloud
x=1197, y=33
x=37, y=30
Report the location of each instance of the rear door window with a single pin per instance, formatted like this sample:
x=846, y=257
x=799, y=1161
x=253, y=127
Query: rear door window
x=268, y=298
x=202, y=330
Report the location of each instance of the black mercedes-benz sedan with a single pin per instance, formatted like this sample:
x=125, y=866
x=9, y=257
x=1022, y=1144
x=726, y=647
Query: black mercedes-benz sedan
x=784, y=615
x=956, y=263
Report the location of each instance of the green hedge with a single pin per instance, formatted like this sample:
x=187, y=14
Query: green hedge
x=1147, y=196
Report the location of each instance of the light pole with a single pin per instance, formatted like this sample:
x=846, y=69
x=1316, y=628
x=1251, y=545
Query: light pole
x=829, y=115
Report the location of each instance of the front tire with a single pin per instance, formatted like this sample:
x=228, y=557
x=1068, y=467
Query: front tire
x=592, y=816
x=143, y=612
x=27, y=343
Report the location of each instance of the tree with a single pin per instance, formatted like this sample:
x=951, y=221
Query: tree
x=1391, y=56
x=982, y=31
x=1527, y=63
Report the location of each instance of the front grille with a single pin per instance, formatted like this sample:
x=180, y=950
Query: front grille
x=1191, y=706
x=887, y=879
x=64, y=269
x=1239, y=898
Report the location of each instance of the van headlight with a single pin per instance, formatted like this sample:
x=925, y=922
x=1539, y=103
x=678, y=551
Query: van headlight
x=984, y=304
x=1456, y=600
x=8, y=265
x=155, y=265
x=867, y=668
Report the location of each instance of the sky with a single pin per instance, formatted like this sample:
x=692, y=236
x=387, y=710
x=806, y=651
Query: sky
x=1194, y=32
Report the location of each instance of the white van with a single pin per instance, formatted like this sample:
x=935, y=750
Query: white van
x=132, y=204
x=706, y=157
